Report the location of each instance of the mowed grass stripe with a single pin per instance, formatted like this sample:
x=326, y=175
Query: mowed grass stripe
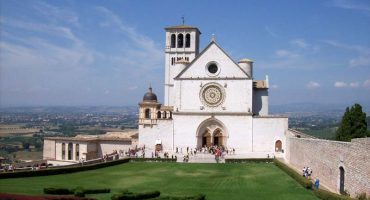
x=217, y=181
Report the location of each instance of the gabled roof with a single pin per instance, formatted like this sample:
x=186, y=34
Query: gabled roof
x=200, y=55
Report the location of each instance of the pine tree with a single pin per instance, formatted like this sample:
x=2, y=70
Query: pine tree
x=353, y=124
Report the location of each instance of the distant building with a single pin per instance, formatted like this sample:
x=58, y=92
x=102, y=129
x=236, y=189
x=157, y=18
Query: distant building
x=71, y=150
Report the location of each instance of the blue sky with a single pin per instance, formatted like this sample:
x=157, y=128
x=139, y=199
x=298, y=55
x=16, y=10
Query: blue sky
x=108, y=52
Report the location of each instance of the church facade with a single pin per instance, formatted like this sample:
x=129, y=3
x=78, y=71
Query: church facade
x=210, y=100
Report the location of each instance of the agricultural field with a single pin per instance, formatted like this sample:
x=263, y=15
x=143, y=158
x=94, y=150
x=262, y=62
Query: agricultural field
x=16, y=130
x=216, y=181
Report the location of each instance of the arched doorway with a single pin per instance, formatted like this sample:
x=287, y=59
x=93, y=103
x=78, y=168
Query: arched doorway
x=341, y=180
x=211, y=132
x=218, y=139
x=206, y=139
x=278, y=146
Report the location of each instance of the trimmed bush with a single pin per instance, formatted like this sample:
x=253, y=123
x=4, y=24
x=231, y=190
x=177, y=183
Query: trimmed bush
x=58, y=191
x=62, y=170
x=299, y=178
x=136, y=196
x=326, y=195
x=249, y=160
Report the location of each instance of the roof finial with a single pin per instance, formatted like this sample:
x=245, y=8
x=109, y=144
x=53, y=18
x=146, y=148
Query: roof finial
x=183, y=20
x=150, y=87
x=213, y=39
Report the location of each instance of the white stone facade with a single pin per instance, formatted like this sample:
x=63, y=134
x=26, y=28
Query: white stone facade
x=209, y=100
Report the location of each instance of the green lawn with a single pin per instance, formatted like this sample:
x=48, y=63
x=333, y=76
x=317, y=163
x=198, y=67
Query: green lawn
x=216, y=181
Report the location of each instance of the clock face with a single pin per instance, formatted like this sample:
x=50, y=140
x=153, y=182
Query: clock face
x=212, y=94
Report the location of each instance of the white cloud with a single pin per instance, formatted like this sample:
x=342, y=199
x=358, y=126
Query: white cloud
x=313, y=85
x=270, y=32
x=300, y=43
x=342, y=84
x=350, y=4
x=274, y=86
x=366, y=83
x=282, y=53
x=363, y=53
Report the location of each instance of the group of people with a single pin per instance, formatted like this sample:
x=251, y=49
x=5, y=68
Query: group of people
x=307, y=172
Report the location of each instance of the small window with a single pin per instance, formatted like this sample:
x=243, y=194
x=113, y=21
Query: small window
x=173, y=41
x=180, y=41
x=77, y=152
x=63, y=151
x=212, y=68
x=187, y=40
x=70, y=149
x=147, y=114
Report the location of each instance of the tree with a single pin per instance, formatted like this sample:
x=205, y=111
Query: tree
x=353, y=124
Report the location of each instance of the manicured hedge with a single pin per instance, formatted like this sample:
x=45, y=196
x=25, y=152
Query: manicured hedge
x=152, y=160
x=64, y=170
x=291, y=172
x=248, y=160
x=58, y=191
x=78, y=192
x=326, y=195
x=136, y=196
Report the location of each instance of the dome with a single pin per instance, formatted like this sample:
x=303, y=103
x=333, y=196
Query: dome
x=150, y=96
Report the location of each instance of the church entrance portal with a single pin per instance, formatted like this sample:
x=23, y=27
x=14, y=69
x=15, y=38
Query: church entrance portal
x=211, y=132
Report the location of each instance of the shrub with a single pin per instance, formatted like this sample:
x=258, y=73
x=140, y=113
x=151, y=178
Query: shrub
x=59, y=191
x=299, y=178
x=136, y=196
x=326, y=195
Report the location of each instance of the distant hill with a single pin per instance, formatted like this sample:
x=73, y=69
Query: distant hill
x=313, y=107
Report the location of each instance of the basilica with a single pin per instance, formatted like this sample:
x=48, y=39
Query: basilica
x=210, y=100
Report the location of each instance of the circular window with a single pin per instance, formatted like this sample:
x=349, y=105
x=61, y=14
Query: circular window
x=212, y=68
x=212, y=94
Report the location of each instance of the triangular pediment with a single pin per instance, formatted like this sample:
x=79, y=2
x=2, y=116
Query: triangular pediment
x=226, y=67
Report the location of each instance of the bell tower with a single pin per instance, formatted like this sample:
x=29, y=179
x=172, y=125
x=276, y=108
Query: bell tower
x=182, y=44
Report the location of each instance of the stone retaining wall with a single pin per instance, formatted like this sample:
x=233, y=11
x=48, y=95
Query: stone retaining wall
x=325, y=157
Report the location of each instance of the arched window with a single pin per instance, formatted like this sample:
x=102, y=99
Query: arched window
x=187, y=40
x=159, y=114
x=77, y=152
x=70, y=149
x=180, y=40
x=147, y=114
x=170, y=115
x=63, y=151
x=173, y=41
x=278, y=146
x=165, y=115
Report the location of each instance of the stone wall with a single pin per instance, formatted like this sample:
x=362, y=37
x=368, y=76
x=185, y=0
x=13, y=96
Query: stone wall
x=325, y=157
x=49, y=150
